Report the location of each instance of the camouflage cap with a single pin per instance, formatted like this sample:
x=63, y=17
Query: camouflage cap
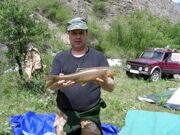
x=77, y=23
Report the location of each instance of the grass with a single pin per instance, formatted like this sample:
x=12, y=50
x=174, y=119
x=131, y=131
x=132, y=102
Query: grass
x=16, y=100
x=124, y=98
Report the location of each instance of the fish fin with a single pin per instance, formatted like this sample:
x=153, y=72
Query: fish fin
x=83, y=84
x=78, y=69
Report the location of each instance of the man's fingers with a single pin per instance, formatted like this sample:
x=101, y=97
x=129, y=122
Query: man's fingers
x=99, y=79
x=71, y=82
x=55, y=86
x=68, y=83
x=61, y=81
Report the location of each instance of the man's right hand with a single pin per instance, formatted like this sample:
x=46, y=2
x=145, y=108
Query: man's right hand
x=61, y=83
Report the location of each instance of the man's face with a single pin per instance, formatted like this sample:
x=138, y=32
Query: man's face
x=78, y=38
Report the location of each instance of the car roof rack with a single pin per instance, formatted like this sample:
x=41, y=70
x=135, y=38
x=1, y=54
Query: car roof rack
x=166, y=49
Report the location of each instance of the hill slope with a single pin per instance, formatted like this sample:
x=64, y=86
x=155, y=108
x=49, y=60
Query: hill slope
x=162, y=8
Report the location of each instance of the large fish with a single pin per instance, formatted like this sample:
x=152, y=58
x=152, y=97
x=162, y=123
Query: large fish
x=82, y=76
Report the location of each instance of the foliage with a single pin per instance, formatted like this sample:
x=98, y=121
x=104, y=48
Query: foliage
x=140, y=30
x=3, y=61
x=55, y=11
x=99, y=8
x=94, y=28
x=174, y=34
x=37, y=84
x=96, y=34
x=17, y=99
x=18, y=28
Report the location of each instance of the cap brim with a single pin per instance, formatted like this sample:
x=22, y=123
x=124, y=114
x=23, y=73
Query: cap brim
x=76, y=27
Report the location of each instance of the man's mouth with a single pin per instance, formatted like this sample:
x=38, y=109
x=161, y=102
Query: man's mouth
x=77, y=41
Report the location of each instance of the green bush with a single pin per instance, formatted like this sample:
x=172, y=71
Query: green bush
x=55, y=11
x=18, y=29
x=174, y=34
x=96, y=33
x=99, y=8
x=94, y=29
x=140, y=30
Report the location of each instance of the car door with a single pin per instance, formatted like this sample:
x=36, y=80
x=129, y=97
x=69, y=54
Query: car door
x=173, y=63
x=164, y=64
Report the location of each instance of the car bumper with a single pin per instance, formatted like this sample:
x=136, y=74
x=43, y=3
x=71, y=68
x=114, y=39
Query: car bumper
x=136, y=71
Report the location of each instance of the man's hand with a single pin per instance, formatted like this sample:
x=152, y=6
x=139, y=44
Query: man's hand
x=106, y=83
x=61, y=84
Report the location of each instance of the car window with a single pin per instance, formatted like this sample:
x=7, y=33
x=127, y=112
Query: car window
x=152, y=55
x=167, y=55
x=175, y=57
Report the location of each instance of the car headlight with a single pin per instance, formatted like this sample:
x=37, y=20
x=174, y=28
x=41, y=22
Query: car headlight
x=146, y=69
x=128, y=66
x=140, y=68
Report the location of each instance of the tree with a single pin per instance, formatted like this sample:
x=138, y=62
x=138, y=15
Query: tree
x=18, y=28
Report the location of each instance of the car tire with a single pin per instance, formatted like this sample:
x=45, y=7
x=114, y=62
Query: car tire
x=155, y=76
x=130, y=75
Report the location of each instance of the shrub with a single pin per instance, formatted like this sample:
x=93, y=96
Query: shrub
x=99, y=8
x=55, y=11
x=18, y=28
x=140, y=30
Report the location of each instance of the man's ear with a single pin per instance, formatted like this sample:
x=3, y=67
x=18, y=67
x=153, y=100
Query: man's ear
x=87, y=33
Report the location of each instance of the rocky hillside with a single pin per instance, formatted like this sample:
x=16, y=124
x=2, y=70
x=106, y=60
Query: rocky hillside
x=162, y=8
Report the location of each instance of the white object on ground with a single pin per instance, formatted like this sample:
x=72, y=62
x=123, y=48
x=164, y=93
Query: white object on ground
x=115, y=62
x=175, y=98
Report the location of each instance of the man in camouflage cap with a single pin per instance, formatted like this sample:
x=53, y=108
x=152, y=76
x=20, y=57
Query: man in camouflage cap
x=79, y=106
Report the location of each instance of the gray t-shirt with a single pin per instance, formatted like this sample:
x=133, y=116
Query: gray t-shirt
x=77, y=97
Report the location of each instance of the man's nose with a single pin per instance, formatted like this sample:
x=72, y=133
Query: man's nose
x=78, y=35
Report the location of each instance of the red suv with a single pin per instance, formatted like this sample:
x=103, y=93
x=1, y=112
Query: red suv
x=154, y=63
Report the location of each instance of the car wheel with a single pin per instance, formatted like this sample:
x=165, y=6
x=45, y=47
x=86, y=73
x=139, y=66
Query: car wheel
x=156, y=75
x=130, y=75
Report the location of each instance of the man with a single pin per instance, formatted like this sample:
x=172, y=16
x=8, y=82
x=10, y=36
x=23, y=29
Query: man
x=79, y=106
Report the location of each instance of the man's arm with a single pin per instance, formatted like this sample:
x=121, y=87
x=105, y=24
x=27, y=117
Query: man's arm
x=106, y=84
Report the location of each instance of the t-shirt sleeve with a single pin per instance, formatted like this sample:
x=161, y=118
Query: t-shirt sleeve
x=103, y=61
x=56, y=66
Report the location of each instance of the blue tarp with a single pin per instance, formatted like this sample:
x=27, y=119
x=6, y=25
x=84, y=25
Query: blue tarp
x=42, y=124
x=109, y=129
x=32, y=124
x=138, y=122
